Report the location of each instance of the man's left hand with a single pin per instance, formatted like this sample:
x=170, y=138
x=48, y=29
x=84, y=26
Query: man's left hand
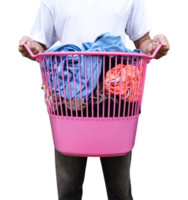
x=159, y=39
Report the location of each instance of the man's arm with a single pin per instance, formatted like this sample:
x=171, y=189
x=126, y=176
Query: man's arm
x=143, y=43
x=42, y=46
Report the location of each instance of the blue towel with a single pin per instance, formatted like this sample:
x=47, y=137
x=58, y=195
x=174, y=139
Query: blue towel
x=104, y=42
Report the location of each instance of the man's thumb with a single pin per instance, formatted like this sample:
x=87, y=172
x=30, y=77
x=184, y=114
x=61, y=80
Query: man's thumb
x=24, y=40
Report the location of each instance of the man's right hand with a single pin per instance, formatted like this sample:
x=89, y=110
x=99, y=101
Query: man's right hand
x=33, y=45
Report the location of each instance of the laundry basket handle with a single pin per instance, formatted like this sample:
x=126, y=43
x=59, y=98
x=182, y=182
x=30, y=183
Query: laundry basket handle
x=149, y=57
x=29, y=51
x=156, y=51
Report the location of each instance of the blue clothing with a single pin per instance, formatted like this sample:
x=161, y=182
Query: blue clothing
x=104, y=42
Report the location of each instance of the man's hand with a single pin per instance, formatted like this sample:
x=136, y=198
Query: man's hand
x=33, y=45
x=159, y=39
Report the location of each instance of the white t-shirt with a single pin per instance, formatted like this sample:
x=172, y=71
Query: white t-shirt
x=77, y=21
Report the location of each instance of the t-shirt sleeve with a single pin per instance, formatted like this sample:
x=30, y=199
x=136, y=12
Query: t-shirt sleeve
x=138, y=24
x=43, y=30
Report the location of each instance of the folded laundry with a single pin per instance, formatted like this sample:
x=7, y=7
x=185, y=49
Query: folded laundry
x=124, y=79
x=58, y=72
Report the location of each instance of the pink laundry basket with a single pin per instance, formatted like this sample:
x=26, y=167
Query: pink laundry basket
x=105, y=122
